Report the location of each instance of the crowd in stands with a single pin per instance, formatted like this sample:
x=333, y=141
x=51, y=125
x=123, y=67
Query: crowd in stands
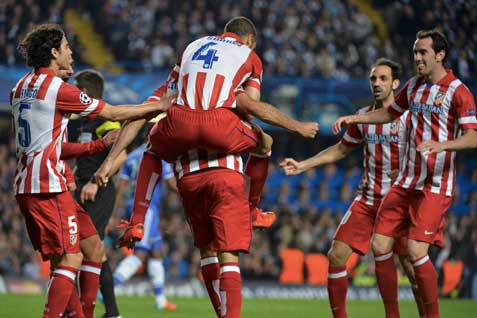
x=327, y=38
x=309, y=209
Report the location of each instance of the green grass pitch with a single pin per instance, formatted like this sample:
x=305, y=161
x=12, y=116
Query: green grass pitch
x=26, y=306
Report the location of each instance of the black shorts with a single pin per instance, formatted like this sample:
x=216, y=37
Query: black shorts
x=101, y=209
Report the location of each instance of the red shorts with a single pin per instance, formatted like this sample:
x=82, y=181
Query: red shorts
x=218, y=130
x=419, y=215
x=55, y=222
x=217, y=209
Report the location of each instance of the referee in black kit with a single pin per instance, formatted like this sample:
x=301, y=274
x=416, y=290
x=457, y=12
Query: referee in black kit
x=97, y=201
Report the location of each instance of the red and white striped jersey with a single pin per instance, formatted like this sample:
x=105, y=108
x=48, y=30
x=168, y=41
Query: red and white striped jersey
x=213, y=68
x=41, y=105
x=209, y=75
x=384, y=147
x=439, y=112
x=199, y=159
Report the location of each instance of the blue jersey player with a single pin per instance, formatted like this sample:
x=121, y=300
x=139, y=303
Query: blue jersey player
x=149, y=248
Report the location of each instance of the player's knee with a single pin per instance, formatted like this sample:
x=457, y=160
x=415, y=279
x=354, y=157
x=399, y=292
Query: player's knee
x=380, y=246
x=93, y=249
x=72, y=260
x=416, y=250
x=336, y=258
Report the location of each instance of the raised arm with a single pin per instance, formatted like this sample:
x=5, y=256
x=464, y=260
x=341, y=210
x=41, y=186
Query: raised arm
x=132, y=112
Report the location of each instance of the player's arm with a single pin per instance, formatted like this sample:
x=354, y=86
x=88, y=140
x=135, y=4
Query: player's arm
x=132, y=112
x=271, y=115
x=331, y=154
x=378, y=116
x=464, y=106
x=467, y=141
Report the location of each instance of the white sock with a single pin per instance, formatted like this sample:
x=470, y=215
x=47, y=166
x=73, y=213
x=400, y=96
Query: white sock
x=155, y=269
x=127, y=268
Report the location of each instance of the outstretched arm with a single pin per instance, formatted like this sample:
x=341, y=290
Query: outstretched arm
x=378, y=116
x=273, y=116
x=331, y=154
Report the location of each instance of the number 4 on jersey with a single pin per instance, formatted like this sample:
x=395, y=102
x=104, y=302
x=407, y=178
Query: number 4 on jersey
x=207, y=55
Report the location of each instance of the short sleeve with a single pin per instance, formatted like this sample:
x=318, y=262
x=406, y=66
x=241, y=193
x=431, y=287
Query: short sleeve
x=71, y=99
x=169, y=87
x=464, y=107
x=255, y=78
x=352, y=137
x=167, y=171
x=400, y=104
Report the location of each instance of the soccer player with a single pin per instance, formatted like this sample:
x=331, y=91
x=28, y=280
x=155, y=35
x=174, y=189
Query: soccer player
x=41, y=105
x=150, y=247
x=441, y=121
x=201, y=135
x=383, y=153
x=98, y=202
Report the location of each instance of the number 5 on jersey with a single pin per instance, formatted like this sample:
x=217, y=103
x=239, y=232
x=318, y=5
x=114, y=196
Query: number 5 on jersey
x=204, y=53
x=24, y=135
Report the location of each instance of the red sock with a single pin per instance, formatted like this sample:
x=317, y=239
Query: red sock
x=337, y=289
x=74, y=305
x=386, y=275
x=89, y=284
x=426, y=278
x=59, y=291
x=257, y=169
x=230, y=290
x=149, y=174
x=421, y=308
x=211, y=273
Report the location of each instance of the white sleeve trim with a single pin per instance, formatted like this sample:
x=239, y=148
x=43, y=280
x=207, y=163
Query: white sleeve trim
x=91, y=108
x=467, y=120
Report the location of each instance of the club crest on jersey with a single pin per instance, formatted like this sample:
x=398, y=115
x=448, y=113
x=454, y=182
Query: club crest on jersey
x=394, y=128
x=73, y=238
x=85, y=99
x=439, y=99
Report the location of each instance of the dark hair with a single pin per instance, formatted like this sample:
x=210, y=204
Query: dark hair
x=36, y=46
x=241, y=26
x=439, y=40
x=396, y=69
x=92, y=81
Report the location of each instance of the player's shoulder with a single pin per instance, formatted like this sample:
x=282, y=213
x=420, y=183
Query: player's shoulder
x=364, y=110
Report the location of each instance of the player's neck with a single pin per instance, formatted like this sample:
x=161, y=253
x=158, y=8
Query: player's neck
x=384, y=102
x=55, y=67
x=438, y=73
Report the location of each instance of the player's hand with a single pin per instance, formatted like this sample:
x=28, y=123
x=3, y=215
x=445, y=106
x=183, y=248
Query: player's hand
x=291, y=167
x=102, y=174
x=164, y=103
x=88, y=192
x=111, y=137
x=131, y=235
x=430, y=147
x=71, y=186
x=341, y=122
x=308, y=129
x=393, y=174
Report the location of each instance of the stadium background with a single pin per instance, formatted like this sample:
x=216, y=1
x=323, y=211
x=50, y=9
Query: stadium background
x=316, y=56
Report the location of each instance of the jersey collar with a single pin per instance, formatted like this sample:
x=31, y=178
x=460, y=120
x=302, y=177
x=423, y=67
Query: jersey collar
x=231, y=35
x=45, y=70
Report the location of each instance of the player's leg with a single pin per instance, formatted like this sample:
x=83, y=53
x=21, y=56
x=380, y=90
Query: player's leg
x=93, y=250
x=129, y=266
x=338, y=255
x=149, y=174
x=427, y=211
x=100, y=212
x=230, y=285
x=409, y=270
x=352, y=235
x=210, y=269
x=53, y=230
x=391, y=221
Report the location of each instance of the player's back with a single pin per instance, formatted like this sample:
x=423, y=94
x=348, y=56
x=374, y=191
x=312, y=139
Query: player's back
x=212, y=69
